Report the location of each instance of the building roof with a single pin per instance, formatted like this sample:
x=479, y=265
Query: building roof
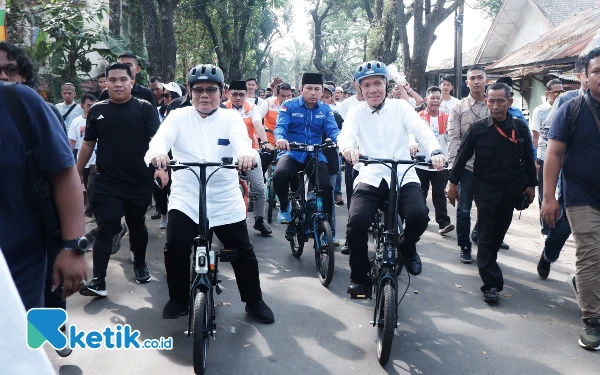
x=468, y=59
x=563, y=44
x=558, y=11
x=520, y=22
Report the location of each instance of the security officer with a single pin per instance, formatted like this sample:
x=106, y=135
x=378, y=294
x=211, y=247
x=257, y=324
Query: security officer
x=303, y=119
x=503, y=173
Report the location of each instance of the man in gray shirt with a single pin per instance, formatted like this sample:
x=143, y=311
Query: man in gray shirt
x=557, y=236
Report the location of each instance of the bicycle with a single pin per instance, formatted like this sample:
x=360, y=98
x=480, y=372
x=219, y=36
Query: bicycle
x=386, y=265
x=309, y=220
x=201, y=321
x=270, y=188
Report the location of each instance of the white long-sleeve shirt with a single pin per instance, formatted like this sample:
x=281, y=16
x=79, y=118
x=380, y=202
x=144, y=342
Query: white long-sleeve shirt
x=385, y=135
x=193, y=138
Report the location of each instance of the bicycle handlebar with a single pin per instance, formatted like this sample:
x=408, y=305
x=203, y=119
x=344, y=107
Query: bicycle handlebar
x=368, y=160
x=226, y=163
x=305, y=147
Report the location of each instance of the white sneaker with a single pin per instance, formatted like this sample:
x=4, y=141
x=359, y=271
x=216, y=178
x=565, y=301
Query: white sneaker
x=571, y=280
x=164, y=220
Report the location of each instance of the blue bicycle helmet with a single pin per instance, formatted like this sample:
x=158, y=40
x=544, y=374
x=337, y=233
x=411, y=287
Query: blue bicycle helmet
x=206, y=73
x=370, y=68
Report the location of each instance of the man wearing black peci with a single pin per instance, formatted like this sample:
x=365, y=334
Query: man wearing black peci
x=503, y=173
x=122, y=126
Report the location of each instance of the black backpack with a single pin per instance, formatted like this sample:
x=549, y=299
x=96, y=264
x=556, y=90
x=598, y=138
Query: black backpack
x=41, y=187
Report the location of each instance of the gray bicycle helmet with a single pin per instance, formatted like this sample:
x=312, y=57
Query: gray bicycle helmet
x=206, y=73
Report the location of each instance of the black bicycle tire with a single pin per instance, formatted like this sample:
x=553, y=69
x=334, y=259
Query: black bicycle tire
x=200, y=343
x=298, y=237
x=329, y=263
x=385, y=334
x=271, y=199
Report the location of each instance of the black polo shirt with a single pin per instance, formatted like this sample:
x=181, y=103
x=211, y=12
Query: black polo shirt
x=137, y=91
x=501, y=166
x=123, y=133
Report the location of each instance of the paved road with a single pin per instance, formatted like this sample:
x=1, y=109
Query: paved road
x=446, y=328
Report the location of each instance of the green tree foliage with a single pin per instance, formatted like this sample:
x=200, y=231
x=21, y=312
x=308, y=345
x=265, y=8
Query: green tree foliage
x=489, y=7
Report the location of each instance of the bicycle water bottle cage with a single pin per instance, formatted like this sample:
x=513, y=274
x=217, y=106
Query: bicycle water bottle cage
x=228, y=255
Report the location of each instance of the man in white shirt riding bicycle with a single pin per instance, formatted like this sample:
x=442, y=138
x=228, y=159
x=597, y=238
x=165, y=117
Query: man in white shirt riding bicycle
x=205, y=131
x=381, y=128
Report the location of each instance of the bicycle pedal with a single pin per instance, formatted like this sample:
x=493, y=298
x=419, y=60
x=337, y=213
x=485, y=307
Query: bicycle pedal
x=361, y=296
x=228, y=255
x=218, y=289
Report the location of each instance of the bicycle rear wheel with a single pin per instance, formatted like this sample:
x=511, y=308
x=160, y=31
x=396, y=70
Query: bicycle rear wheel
x=386, y=323
x=271, y=200
x=324, y=253
x=200, y=330
x=296, y=237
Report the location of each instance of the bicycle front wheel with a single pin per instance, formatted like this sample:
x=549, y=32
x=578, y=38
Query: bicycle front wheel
x=386, y=323
x=296, y=237
x=324, y=253
x=201, y=333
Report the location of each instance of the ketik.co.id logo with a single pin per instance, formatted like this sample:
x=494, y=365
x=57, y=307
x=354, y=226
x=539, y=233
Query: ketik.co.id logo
x=44, y=325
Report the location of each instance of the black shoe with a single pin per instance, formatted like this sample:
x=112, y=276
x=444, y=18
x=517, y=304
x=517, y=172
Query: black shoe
x=116, y=242
x=156, y=215
x=261, y=226
x=413, y=264
x=142, y=275
x=491, y=295
x=504, y=246
x=360, y=288
x=345, y=250
x=175, y=309
x=543, y=267
x=95, y=288
x=465, y=255
x=260, y=312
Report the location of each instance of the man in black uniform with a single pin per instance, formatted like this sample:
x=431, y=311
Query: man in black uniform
x=503, y=173
x=123, y=127
x=138, y=91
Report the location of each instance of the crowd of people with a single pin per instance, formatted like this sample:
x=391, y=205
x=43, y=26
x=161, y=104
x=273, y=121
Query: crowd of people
x=481, y=149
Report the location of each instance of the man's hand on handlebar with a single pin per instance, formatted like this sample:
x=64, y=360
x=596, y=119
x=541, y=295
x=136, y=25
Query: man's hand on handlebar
x=438, y=162
x=351, y=155
x=246, y=162
x=268, y=147
x=160, y=161
x=283, y=144
x=163, y=175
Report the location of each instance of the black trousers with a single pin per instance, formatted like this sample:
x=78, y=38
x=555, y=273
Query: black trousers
x=181, y=231
x=89, y=177
x=438, y=182
x=161, y=196
x=109, y=209
x=365, y=202
x=493, y=221
x=286, y=177
x=349, y=175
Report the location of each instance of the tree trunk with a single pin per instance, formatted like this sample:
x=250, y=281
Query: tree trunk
x=114, y=22
x=152, y=36
x=318, y=20
x=135, y=33
x=169, y=46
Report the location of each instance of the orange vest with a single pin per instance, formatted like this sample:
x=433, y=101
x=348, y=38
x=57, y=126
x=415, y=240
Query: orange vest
x=247, y=116
x=442, y=120
x=271, y=120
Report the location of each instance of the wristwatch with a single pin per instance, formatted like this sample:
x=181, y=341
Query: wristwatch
x=437, y=152
x=80, y=245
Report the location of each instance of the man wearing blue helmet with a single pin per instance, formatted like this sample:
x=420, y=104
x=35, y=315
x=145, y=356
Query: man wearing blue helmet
x=382, y=129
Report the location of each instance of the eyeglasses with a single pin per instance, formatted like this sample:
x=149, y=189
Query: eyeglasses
x=10, y=70
x=240, y=94
x=209, y=90
x=557, y=93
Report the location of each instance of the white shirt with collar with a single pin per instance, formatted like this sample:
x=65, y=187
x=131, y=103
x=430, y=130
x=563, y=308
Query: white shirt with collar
x=347, y=104
x=193, y=138
x=385, y=134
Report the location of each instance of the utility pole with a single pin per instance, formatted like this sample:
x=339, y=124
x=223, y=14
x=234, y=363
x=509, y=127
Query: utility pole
x=458, y=34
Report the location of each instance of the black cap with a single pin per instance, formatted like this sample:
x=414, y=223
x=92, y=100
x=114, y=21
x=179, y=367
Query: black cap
x=312, y=79
x=237, y=85
x=506, y=80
